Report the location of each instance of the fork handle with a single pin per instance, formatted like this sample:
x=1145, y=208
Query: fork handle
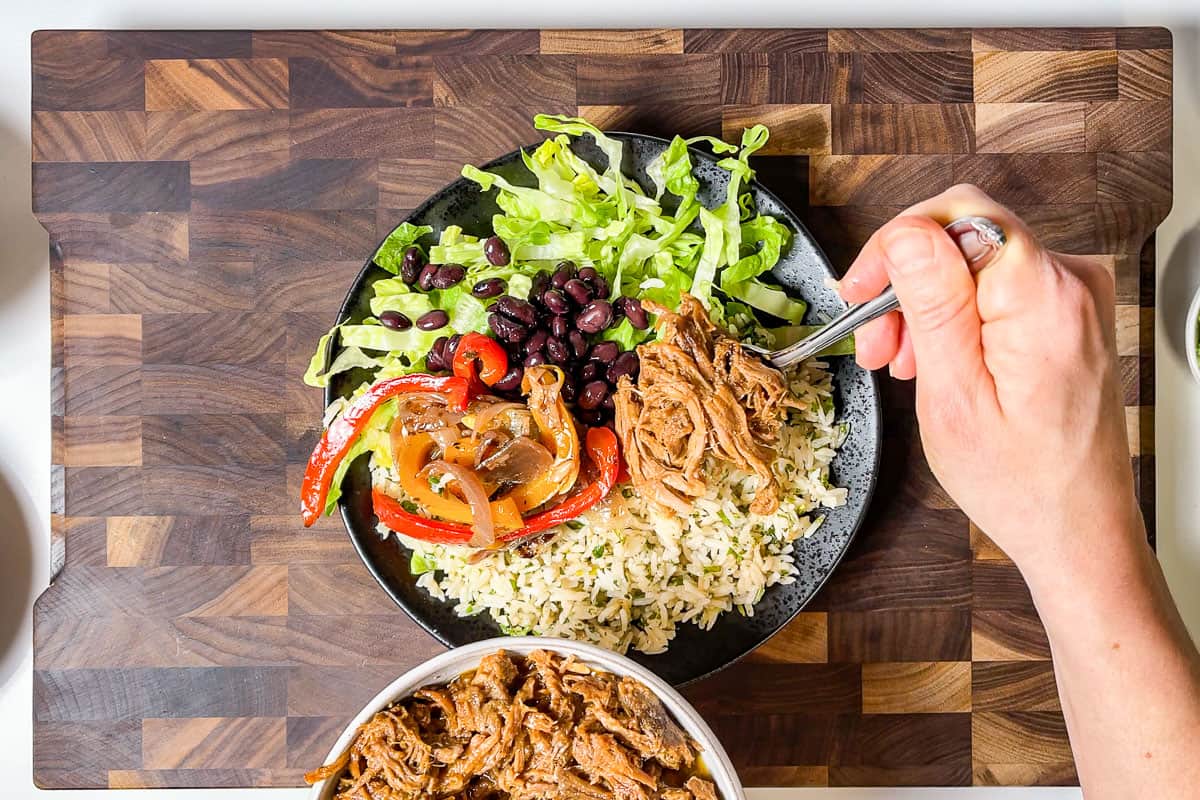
x=838, y=329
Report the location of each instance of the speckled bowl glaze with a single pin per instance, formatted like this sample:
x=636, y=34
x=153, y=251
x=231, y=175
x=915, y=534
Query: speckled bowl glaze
x=803, y=271
x=448, y=666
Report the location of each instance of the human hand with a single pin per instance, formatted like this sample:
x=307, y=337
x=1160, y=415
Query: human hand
x=1018, y=395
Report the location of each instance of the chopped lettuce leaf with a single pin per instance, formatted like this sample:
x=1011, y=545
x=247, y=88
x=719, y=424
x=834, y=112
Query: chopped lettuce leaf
x=710, y=257
x=519, y=285
x=419, y=564
x=625, y=335
x=391, y=252
x=411, y=305
x=377, y=337
x=316, y=364
x=770, y=299
x=349, y=358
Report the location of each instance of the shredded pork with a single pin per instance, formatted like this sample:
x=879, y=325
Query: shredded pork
x=542, y=727
x=698, y=393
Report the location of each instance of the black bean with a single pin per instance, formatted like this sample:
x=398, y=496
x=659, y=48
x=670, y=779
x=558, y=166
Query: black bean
x=594, y=317
x=593, y=394
x=535, y=359
x=589, y=371
x=425, y=277
x=517, y=309
x=578, y=291
x=569, y=390
x=600, y=286
x=395, y=320
x=507, y=329
x=590, y=416
x=631, y=307
x=609, y=403
x=489, y=287
x=588, y=274
x=564, y=273
x=447, y=275
x=410, y=265
x=540, y=282
x=559, y=326
x=432, y=320
x=436, y=359
x=579, y=345
x=511, y=381
x=604, y=352
x=626, y=365
x=536, y=342
x=452, y=347
x=496, y=251
x=557, y=351
x=555, y=303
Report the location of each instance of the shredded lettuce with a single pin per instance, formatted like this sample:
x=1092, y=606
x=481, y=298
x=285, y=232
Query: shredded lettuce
x=391, y=252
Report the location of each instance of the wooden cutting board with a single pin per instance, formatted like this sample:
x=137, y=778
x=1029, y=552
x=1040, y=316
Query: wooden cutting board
x=209, y=197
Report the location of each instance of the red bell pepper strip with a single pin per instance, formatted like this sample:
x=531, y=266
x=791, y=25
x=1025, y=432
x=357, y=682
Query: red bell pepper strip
x=601, y=444
x=475, y=348
x=337, y=439
x=393, y=515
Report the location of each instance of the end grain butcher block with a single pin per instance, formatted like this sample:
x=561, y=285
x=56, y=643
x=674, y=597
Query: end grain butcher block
x=210, y=195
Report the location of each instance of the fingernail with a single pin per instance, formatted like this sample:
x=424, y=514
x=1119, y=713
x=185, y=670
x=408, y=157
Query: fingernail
x=909, y=249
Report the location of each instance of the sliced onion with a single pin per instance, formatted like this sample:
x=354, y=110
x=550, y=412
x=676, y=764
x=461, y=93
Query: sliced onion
x=515, y=462
x=489, y=443
x=482, y=524
x=444, y=437
x=425, y=411
x=484, y=417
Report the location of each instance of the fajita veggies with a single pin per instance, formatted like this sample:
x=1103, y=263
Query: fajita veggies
x=478, y=470
x=561, y=424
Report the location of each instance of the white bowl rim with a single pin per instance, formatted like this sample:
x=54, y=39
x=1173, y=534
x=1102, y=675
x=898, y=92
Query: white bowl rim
x=468, y=656
x=1190, y=331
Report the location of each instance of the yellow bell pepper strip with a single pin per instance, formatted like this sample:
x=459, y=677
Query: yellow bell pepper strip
x=602, y=448
x=543, y=386
x=416, y=453
x=339, y=437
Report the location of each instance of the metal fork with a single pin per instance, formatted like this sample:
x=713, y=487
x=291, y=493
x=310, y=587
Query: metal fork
x=987, y=234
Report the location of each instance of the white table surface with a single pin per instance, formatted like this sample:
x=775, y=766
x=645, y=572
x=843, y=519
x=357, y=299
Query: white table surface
x=24, y=283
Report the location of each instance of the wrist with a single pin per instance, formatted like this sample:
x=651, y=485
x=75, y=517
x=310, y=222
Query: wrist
x=1106, y=566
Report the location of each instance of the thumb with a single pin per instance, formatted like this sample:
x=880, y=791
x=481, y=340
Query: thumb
x=937, y=295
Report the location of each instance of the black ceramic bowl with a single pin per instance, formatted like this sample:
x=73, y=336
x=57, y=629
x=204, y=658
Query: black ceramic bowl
x=802, y=270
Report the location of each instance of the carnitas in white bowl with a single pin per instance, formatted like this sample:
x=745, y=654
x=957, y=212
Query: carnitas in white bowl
x=528, y=717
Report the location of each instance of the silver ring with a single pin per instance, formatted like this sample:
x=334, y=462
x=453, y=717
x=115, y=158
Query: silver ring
x=989, y=239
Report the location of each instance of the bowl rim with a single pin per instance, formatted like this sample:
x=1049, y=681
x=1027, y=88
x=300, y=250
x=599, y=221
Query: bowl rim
x=1191, y=329
x=467, y=656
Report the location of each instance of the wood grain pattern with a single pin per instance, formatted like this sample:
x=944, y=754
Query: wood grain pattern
x=216, y=84
x=1031, y=127
x=795, y=129
x=204, y=190
x=612, y=41
x=1030, y=77
x=914, y=128
x=916, y=687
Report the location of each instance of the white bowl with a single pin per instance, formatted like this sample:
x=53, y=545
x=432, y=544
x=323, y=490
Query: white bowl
x=451, y=664
x=1189, y=346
